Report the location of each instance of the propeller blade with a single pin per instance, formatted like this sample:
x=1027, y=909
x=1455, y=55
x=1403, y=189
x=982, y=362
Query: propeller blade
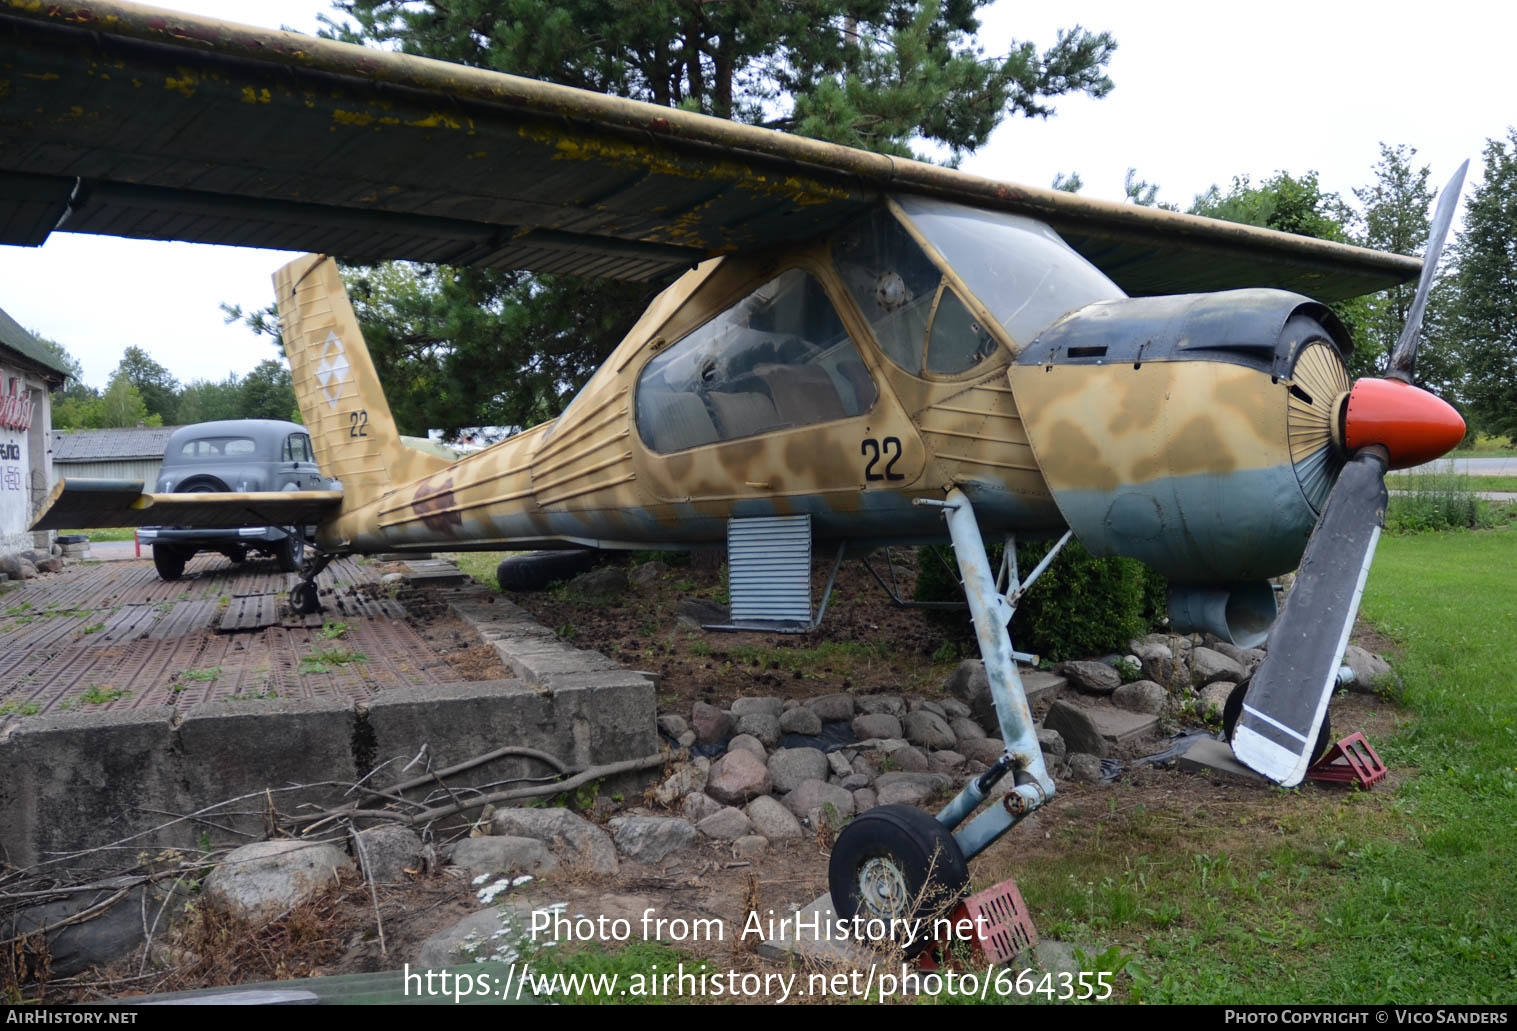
x=1404, y=354
x=1287, y=699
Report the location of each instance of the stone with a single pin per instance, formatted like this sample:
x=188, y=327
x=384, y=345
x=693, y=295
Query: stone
x=908, y=788
x=750, y=744
x=1248, y=658
x=965, y=729
x=1372, y=674
x=751, y=846
x=696, y=807
x=673, y=725
x=1207, y=666
x=1083, y=768
x=789, y=767
x=838, y=763
x=1039, y=687
x=737, y=777
x=607, y=582
x=954, y=709
x=1162, y=665
x=274, y=875
x=1090, y=677
x=1076, y=727
x=886, y=704
x=50, y=565
x=909, y=758
x=772, y=820
x=945, y=761
x=1141, y=696
x=504, y=853
x=576, y=841
x=109, y=935
x=864, y=799
x=687, y=739
x=648, y=573
x=1051, y=742
x=726, y=824
x=832, y=708
x=762, y=726
x=854, y=781
x=387, y=852
x=969, y=684
x=695, y=613
x=928, y=729
x=711, y=725
x=985, y=750
x=648, y=839
x=745, y=706
x=915, y=704
x=818, y=794
x=876, y=725
x=455, y=944
x=686, y=778
x=1214, y=695
x=800, y=720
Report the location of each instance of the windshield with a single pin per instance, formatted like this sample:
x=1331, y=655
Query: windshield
x=1018, y=267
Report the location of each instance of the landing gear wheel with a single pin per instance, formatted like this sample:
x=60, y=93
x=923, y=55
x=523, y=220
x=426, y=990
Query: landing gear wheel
x=303, y=599
x=237, y=556
x=290, y=551
x=896, y=862
x=535, y=570
x=1234, y=709
x=169, y=561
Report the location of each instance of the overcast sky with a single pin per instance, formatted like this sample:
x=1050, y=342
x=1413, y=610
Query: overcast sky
x=1204, y=92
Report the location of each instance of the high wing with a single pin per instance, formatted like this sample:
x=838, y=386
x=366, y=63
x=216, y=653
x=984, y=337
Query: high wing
x=75, y=503
x=133, y=121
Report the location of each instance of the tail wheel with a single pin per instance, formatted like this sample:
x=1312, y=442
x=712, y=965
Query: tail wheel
x=535, y=570
x=303, y=599
x=896, y=862
x=1233, y=708
x=169, y=561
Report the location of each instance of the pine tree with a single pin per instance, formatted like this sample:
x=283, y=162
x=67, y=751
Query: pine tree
x=1485, y=316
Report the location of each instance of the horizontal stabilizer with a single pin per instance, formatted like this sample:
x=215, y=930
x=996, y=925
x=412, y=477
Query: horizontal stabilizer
x=82, y=504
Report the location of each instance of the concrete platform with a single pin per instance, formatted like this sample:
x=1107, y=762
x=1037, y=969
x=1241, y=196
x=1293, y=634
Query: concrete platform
x=1119, y=726
x=1041, y=686
x=1216, y=759
x=128, y=703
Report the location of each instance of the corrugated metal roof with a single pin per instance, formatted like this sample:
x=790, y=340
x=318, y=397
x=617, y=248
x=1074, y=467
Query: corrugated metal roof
x=98, y=445
x=14, y=338
x=214, y=132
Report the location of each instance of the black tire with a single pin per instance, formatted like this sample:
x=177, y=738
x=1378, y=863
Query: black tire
x=169, y=561
x=1234, y=709
x=304, y=599
x=291, y=551
x=537, y=569
x=237, y=555
x=897, y=862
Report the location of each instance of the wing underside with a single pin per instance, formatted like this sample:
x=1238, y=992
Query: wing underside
x=207, y=131
x=82, y=504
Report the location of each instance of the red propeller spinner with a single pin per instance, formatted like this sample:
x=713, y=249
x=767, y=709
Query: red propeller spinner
x=1410, y=423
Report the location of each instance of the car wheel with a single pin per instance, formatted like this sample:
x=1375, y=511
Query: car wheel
x=291, y=551
x=897, y=863
x=169, y=561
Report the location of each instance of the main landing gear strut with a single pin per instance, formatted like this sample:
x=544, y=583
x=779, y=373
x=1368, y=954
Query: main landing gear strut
x=303, y=596
x=896, y=862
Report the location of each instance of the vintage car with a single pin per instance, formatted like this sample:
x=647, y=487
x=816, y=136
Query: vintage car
x=234, y=455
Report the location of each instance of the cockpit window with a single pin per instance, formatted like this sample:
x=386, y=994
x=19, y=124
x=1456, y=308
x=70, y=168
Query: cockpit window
x=892, y=281
x=779, y=358
x=1018, y=268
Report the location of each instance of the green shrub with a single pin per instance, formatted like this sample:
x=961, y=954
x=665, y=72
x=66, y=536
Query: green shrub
x=1423, y=502
x=1080, y=606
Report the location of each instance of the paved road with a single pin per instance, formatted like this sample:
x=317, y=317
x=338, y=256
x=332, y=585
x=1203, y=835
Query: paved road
x=1472, y=466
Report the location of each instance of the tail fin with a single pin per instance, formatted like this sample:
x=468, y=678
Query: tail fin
x=338, y=391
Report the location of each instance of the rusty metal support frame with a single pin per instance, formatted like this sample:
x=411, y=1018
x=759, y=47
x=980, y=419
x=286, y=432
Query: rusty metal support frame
x=893, y=589
x=992, y=613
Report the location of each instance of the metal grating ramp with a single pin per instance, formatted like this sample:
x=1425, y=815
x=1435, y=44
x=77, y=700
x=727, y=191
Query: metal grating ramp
x=769, y=572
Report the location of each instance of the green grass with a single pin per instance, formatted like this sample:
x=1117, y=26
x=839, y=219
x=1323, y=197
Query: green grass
x=1400, y=481
x=118, y=533
x=20, y=709
x=98, y=695
x=325, y=660
x=1326, y=895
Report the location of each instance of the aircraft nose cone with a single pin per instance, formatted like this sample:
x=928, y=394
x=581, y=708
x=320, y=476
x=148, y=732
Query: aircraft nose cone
x=1413, y=425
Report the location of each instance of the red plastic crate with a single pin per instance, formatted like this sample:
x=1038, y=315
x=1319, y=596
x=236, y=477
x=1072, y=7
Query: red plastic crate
x=1003, y=930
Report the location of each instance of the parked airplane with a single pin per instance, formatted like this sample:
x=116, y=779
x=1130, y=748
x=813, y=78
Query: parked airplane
x=864, y=350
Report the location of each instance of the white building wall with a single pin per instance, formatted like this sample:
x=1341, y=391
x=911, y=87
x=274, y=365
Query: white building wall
x=25, y=457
